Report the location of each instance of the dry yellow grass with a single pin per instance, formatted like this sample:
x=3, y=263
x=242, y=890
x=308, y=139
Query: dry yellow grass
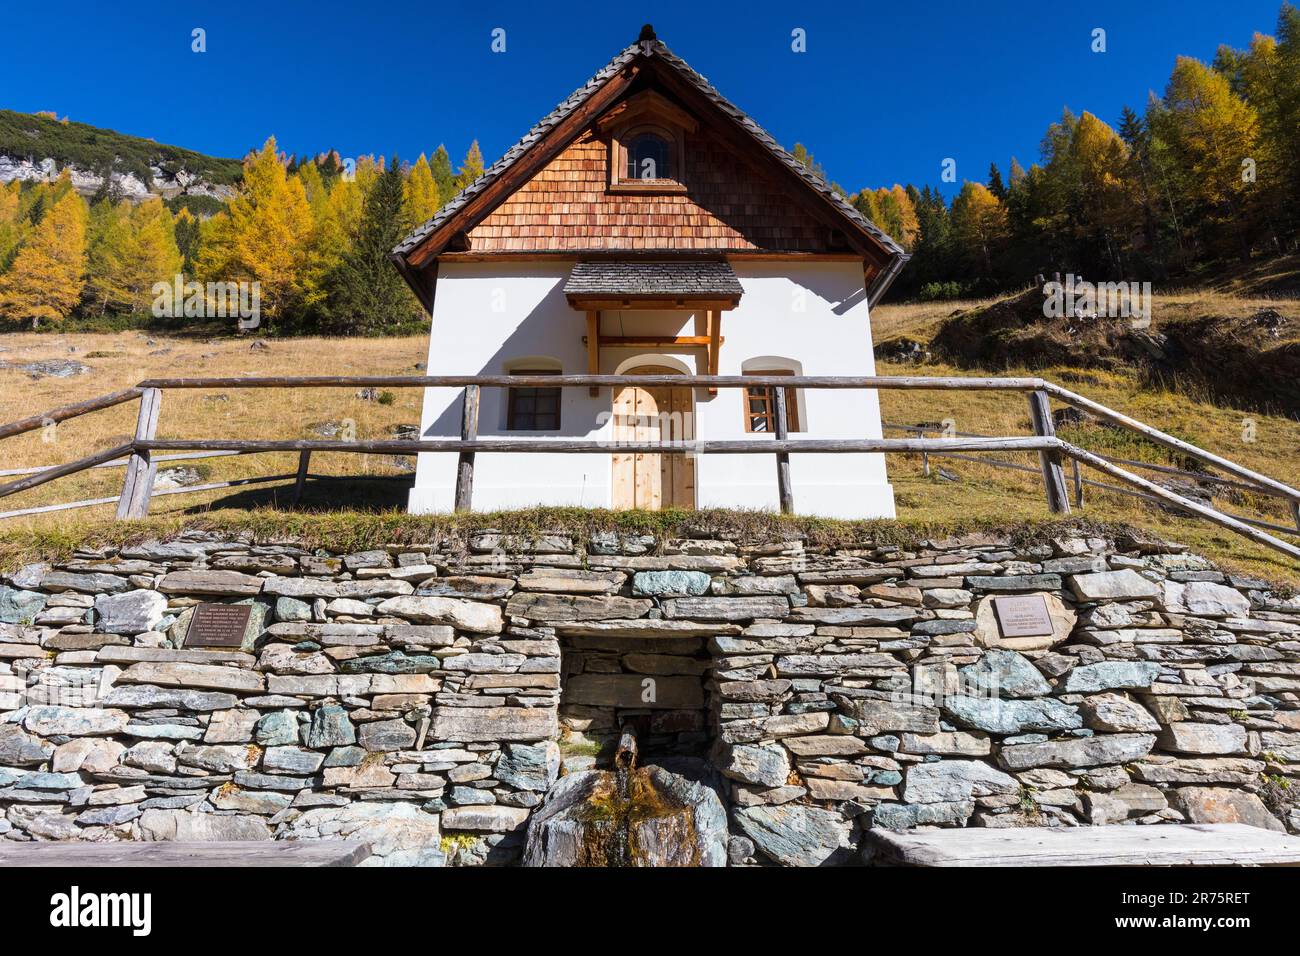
x=120, y=360
x=920, y=320
x=981, y=491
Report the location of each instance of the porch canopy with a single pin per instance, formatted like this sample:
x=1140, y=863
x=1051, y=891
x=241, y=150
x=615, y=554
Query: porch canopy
x=707, y=287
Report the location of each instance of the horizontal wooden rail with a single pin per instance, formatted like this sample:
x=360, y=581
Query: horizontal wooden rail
x=155, y=493
x=119, y=462
x=60, y=471
x=586, y=381
x=64, y=412
x=583, y=446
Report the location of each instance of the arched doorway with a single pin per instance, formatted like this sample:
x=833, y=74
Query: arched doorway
x=653, y=414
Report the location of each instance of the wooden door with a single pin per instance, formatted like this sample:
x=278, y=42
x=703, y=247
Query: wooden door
x=646, y=479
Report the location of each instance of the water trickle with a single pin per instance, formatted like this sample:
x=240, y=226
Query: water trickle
x=630, y=816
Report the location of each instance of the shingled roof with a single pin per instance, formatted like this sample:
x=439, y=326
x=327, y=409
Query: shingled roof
x=650, y=47
x=680, y=277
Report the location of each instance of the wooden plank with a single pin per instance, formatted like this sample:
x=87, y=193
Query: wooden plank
x=682, y=422
x=465, y=464
x=1040, y=412
x=1170, y=844
x=593, y=348
x=258, y=853
x=64, y=412
x=138, y=480
x=784, y=487
x=623, y=474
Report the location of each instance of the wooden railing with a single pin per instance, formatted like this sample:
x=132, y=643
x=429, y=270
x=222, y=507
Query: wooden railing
x=140, y=457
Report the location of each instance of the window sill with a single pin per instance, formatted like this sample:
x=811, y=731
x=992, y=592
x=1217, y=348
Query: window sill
x=652, y=186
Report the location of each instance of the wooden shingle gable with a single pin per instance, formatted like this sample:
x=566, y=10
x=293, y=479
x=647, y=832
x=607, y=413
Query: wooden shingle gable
x=743, y=194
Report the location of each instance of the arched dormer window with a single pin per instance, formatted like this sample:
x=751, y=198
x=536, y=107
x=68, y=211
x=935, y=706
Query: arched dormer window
x=650, y=157
x=647, y=144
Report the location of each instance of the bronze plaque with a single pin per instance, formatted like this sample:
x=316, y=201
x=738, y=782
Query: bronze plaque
x=1023, y=616
x=218, y=625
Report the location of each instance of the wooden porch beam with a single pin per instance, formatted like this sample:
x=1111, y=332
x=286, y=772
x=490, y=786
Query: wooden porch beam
x=653, y=304
x=656, y=341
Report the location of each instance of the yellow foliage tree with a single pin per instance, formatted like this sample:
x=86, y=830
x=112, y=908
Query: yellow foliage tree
x=108, y=241
x=911, y=224
x=11, y=223
x=420, y=192
x=979, y=222
x=1210, y=130
x=153, y=254
x=49, y=272
x=264, y=236
x=472, y=168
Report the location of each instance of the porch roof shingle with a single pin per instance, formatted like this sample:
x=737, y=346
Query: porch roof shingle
x=683, y=278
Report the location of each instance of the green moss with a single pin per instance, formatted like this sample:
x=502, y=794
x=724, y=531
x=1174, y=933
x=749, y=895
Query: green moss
x=340, y=532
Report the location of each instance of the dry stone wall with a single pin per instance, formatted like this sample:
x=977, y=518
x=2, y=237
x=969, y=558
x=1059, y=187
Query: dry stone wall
x=426, y=699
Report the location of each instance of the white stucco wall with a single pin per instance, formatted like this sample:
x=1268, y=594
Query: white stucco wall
x=491, y=317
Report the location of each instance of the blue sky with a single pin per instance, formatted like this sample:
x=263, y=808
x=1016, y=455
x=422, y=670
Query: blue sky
x=883, y=94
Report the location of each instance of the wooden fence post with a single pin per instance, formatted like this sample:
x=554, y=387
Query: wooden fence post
x=1078, y=484
x=784, y=487
x=137, y=484
x=1040, y=412
x=300, y=480
x=468, y=432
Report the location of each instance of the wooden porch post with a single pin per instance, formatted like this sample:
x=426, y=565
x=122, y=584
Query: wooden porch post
x=1040, y=412
x=593, y=348
x=137, y=484
x=715, y=343
x=300, y=480
x=468, y=432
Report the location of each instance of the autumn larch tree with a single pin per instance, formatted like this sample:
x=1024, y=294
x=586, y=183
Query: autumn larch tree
x=47, y=276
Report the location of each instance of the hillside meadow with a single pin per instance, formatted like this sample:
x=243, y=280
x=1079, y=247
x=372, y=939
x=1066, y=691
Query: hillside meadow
x=955, y=494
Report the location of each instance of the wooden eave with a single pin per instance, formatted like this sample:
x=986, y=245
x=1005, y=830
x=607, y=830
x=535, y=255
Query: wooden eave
x=679, y=303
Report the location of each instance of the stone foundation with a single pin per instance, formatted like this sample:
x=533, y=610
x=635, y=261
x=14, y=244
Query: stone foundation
x=427, y=698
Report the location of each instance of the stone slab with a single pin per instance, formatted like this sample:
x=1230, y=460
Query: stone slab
x=232, y=853
x=1174, y=844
